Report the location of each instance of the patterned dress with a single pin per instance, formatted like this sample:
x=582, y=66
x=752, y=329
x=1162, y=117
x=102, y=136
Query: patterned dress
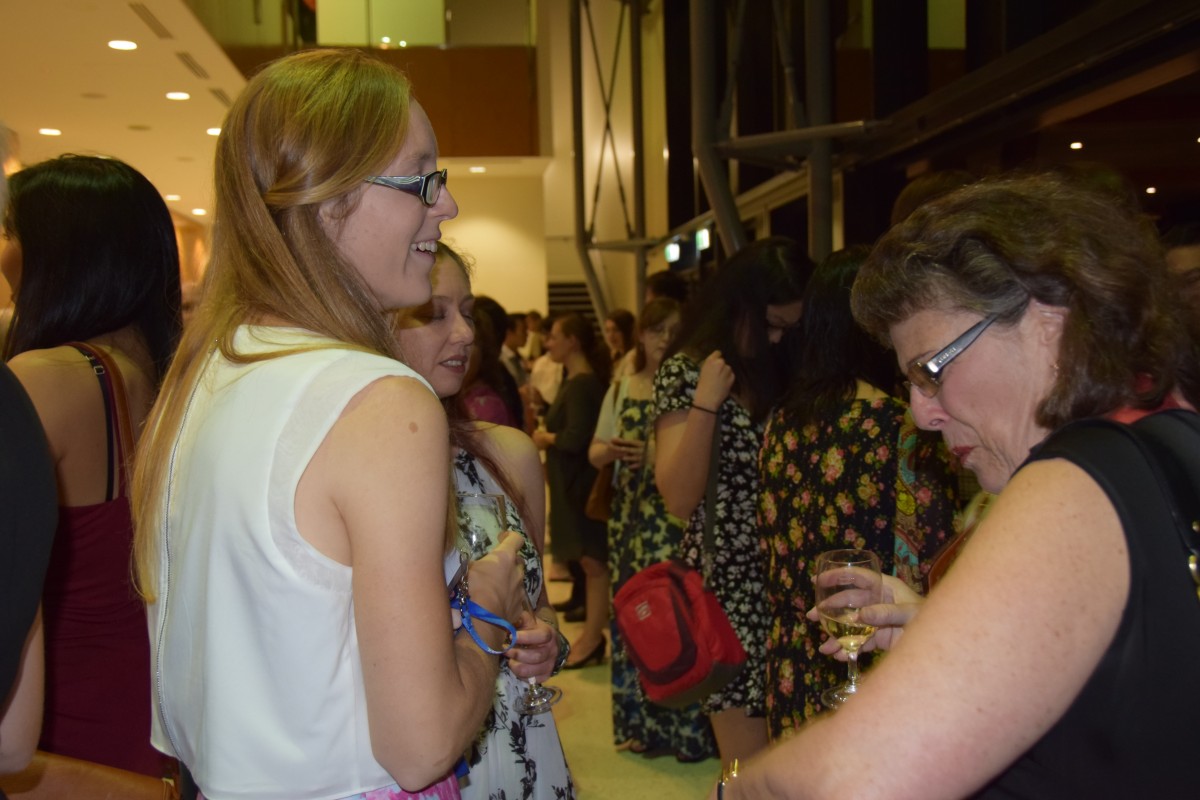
x=864, y=478
x=515, y=757
x=641, y=533
x=736, y=574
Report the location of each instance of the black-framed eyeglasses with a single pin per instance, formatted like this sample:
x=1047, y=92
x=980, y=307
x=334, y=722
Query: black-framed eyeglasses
x=927, y=375
x=427, y=187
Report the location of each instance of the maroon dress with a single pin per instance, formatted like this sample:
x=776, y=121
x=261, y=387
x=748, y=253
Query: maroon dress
x=97, y=645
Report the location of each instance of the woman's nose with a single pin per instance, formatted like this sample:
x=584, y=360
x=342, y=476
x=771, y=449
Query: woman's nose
x=446, y=205
x=464, y=331
x=927, y=411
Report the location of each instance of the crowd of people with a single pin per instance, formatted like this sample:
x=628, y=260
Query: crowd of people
x=208, y=581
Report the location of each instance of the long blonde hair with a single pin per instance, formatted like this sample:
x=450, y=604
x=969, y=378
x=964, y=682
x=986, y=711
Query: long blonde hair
x=297, y=144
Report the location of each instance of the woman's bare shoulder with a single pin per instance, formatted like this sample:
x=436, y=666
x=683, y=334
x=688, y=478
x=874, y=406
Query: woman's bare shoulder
x=506, y=443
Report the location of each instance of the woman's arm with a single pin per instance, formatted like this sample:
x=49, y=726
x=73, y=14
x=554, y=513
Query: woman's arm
x=537, y=639
x=685, y=439
x=600, y=451
x=383, y=472
x=996, y=656
x=21, y=714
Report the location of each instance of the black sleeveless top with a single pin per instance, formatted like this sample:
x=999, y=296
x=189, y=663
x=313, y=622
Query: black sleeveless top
x=1134, y=729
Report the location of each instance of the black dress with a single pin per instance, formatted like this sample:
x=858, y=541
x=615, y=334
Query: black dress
x=29, y=497
x=1131, y=730
x=572, y=417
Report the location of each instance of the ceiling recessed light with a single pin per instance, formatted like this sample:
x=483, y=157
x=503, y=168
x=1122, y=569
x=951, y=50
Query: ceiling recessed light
x=213, y=131
x=178, y=96
x=386, y=39
x=49, y=131
x=122, y=44
x=199, y=212
x=1076, y=145
x=403, y=43
x=1151, y=190
x=171, y=198
x=477, y=170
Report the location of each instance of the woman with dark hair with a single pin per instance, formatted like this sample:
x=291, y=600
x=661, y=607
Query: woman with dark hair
x=842, y=465
x=712, y=394
x=1038, y=325
x=491, y=393
x=641, y=533
x=91, y=256
x=618, y=335
x=570, y=422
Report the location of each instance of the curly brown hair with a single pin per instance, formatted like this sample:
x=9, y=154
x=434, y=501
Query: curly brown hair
x=992, y=247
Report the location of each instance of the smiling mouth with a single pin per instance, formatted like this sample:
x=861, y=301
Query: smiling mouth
x=429, y=246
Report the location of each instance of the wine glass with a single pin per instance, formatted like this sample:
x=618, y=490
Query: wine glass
x=846, y=581
x=482, y=517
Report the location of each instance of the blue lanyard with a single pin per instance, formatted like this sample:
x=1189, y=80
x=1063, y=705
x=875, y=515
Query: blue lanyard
x=461, y=602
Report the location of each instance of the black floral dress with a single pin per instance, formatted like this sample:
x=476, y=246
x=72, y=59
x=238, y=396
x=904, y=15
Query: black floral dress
x=641, y=533
x=863, y=478
x=736, y=575
x=514, y=757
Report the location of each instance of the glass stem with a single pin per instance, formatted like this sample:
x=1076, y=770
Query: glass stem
x=852, y=672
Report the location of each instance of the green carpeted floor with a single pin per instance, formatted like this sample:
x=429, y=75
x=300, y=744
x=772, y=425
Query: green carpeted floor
x=584, y=717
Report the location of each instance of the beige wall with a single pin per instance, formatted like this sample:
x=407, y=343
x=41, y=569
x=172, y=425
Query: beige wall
x=499, y=224
x=615, y=270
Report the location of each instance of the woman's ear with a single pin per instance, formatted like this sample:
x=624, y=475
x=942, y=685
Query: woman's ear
x=1048, y=321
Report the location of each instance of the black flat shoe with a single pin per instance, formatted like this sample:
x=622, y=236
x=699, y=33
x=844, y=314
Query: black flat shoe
x=595, y=657
x=567, y=605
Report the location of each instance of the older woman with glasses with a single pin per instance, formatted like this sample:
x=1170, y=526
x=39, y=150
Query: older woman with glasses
x=1037, y=324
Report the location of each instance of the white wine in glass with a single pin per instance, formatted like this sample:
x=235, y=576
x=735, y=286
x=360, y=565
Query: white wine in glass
x=482, y=517
x=846, y=581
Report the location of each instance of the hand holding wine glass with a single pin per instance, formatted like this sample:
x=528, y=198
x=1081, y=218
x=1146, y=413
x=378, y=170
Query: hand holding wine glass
x=482, y=518
x=897, y=607
x=845, y=582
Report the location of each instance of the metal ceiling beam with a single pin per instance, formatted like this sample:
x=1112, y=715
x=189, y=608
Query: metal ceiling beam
x=713, y=174
x=1093, y=49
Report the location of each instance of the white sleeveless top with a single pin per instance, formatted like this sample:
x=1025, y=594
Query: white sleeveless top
x=258, y=681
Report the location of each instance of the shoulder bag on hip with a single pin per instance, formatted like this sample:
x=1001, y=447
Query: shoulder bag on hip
x=675, y=630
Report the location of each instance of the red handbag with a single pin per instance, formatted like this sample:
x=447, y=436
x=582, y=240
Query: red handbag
x=676, y=634
x=674, y=628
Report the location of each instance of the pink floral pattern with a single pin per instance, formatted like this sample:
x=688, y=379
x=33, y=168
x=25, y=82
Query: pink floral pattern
x=832, y=484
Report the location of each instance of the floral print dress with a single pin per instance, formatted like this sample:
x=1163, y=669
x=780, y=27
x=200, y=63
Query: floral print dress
x=736, y=572
x=641, y=533
x=514, y=757
x=863, y=478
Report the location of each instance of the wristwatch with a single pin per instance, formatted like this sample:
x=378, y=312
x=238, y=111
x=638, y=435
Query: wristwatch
x=564, y=650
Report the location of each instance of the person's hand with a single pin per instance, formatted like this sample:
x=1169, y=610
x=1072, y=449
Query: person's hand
x=498, y=579
x=536, y=648
x=900, y=604
x=542, y=439
x=630, y=451
x=715, y=384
